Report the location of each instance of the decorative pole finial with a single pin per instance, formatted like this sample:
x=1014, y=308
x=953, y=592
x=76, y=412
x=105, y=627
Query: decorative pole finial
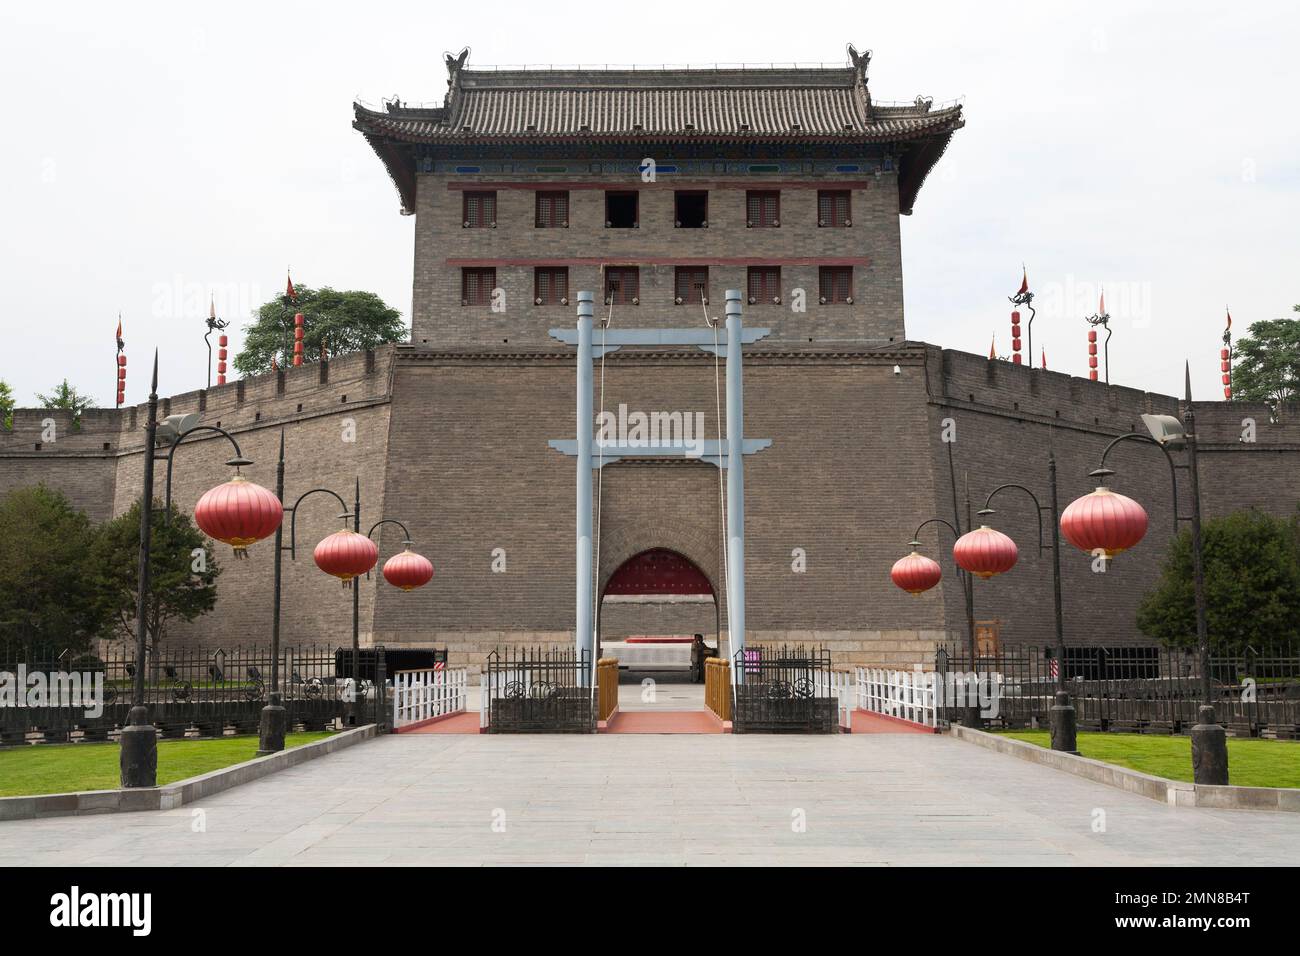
x=1026, y=298
x=1225, y=357
x=1102, y=318
x=120, y=362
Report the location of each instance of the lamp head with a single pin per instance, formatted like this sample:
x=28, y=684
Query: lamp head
x=1166, y=430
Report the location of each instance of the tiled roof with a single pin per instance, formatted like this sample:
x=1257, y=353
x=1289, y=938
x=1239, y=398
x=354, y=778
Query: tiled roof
x=722, y=106
x=640, y=105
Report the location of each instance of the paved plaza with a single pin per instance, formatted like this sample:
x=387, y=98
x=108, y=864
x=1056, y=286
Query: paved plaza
x=887, y=800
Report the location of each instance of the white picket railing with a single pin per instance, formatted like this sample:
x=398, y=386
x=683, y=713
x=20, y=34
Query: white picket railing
x=424, y=694
x=841, y=686
x=906, y=694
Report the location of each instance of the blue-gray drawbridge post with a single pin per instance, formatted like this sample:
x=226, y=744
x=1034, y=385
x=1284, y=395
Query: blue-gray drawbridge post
x=735, y=480
x=585, y=633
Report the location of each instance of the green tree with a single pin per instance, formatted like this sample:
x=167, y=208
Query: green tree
x=1267, y=366
x=1252, y=586
x=342, y=321
x=48, y=599
x=6, y=404
x=182, y=572
x=66, y=398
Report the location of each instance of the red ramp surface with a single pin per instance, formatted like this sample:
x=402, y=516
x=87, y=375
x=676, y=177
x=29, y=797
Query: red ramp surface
x=867, y=722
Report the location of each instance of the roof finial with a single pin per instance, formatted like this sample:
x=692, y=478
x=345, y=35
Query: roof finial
x=860, y=62
x=455, y=64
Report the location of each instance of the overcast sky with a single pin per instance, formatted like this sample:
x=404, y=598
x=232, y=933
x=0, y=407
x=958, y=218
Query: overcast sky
x=154, y=152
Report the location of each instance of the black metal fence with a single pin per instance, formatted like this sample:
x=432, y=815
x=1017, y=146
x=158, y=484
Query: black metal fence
x=782, y=690
x=1132, y=689
x=547, y=690
x=190, y=692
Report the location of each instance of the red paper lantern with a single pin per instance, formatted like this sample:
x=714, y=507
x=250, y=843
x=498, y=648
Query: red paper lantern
x=408, y=570
x=121, y=361
x=1104, y=521
x=346, y=554
x=985, y=552
x=238, y=513
x=915, y=573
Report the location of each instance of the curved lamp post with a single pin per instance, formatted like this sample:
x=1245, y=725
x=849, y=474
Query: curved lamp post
x=1209, y=742
x=916, y=573
x=237, y=512
x=1064, y=723
x=342, y=556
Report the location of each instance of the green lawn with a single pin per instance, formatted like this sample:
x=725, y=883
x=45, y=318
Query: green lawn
x=1251, y=762
x=62, y=768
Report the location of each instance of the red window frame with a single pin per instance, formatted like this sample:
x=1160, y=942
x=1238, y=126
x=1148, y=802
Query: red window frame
x=687, y=283
x=763, y=284
x=476, y=285
x=552, y=209
x=834, y=208
x=622, y=284
x=550, y=284
x=763, y=208
x=479, y=209
x=835, y=283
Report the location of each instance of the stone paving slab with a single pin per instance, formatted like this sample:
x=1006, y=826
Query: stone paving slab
x=707, y=800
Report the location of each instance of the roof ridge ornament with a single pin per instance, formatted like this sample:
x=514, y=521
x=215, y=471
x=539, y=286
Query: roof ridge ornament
x=860, y=62
x=455, y=64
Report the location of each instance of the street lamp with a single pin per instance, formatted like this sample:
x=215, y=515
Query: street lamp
x=981, y=554
x=345, y=554
x=238, y=512
x=1209, y=741
x=1064, y=723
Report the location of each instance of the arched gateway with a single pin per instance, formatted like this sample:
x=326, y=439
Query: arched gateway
x=657, y=598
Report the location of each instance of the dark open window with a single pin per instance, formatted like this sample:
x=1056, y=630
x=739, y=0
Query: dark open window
x=764, y=284
x=621, y=210
x=691, y=284
x=762, y=208
x=833, y=207
x=621, y=284
x=552, y=210
x=480, y=210
x=550, y=285
x=836, y=283
x=691, y=209
x=476, y=286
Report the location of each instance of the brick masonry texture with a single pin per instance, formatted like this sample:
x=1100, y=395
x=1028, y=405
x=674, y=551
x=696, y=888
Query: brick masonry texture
x=874, y=318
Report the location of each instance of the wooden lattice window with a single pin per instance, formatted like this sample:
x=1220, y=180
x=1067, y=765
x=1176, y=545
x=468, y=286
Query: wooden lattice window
x=622, y=285
x=552, y=210
x=833, y=208
x=762, y=208
x=550, y=285
x=480, y=210
x=690, y=284
x=476, y=286
x=836, y=283
x=764, y=284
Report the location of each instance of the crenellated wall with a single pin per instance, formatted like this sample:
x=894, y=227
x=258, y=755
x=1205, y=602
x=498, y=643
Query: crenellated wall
x=454, y=443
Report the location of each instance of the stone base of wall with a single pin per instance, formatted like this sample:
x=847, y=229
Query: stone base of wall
x=897, y=650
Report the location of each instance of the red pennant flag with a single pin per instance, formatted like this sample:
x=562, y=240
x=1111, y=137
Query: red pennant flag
x=212, y=307
x=1044, y=358
x=288, y=288
x=993, y=348
x=1024, y=283
x=1225, y=308
x=1101, y=308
